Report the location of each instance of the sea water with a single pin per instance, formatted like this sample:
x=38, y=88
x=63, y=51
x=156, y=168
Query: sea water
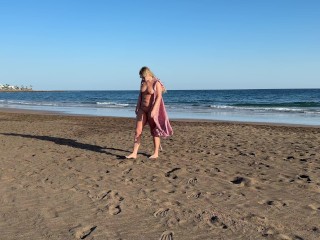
x=287, y=106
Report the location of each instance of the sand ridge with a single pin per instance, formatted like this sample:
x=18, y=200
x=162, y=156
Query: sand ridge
x=65, y=177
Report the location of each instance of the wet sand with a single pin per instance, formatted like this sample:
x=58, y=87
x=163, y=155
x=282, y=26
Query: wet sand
x=65, y=177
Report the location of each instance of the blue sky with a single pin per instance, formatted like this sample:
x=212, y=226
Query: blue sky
x=204, y=44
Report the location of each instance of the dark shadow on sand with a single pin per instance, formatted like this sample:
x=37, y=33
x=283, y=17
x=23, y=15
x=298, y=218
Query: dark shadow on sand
x=73, y=143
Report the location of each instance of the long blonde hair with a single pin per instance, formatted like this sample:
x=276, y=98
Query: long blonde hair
x=145, y=70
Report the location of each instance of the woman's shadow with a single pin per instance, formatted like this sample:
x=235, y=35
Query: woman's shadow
x=72, y=143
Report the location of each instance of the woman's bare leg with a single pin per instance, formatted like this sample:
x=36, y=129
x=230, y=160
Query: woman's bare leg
x=141, y=120
x=156, y=142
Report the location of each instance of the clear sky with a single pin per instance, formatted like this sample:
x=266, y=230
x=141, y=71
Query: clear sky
x=189, y=44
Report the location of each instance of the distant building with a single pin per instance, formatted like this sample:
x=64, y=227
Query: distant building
x=8, y=87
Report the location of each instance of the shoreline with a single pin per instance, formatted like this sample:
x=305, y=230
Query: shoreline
x=48, y=112
x=303, y=111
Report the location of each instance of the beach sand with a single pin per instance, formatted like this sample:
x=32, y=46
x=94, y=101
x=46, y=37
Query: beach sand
x=64, y=177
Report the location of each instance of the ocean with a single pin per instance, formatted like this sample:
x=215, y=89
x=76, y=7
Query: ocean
x=284, y=106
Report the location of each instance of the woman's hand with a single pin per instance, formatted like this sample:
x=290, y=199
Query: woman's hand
x=153, y=113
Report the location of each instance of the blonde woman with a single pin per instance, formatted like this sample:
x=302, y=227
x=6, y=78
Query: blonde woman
x=150, y=110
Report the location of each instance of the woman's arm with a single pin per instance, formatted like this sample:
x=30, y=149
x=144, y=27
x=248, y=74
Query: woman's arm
x=139, y=99
x=158, y=99
x=138, y=103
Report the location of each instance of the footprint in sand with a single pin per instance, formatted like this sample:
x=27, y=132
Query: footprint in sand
x=304, y=160
x=113, y=195
x=103, y=194
x=274, y=203
x=315, y=207
x=209, y=219
x=109, y=200
x=284, y=178
x=125, y=172
x=162, y=212
x=238, y=180
x=301, y=179
x=47, y=180
x=128, y=181
x=242, y=181
x=215, y=222
x=305, y=177
x=114, y=209
x=167, y=235
x=169, y=190
x=170, y=173
x=194, y=195
x=192, y=181
x=99, y=196
x=265, y=232
x=289, y=158
x=172, y=222
x=286, y=237
x=315, y=229
x=82, y=232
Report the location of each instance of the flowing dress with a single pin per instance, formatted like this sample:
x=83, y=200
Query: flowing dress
x=162, y=127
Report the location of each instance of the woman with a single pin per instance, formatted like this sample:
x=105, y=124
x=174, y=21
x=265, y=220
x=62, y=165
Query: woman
x=150, y=109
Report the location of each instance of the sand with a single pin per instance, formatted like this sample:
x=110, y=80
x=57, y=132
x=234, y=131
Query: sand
x=65, y=177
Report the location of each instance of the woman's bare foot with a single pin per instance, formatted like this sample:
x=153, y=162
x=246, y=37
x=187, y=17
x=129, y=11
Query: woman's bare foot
x=154, y=156
x=132, y=156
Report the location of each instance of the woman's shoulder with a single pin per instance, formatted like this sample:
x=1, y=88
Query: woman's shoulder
x=156, y=83
x=159, y=85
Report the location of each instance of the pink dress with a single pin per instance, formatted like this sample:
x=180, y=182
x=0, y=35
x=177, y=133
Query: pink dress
x=162, y=125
